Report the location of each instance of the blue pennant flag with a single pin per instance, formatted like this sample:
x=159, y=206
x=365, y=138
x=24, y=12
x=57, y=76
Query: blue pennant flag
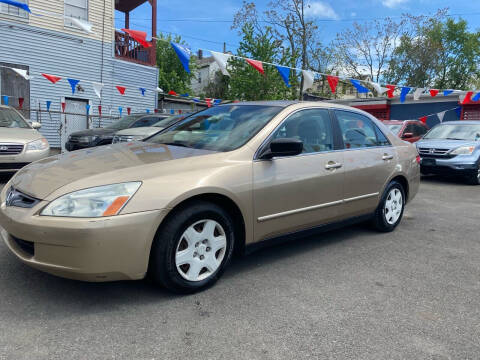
x=88, y=108
x=476, y=97
x=120, y=109
x=142, y=90
x=16, y=4
x=73, y=84
x=183, y=54
x=196, y=100
x=185, y=95
x=5, y=100
x=403, y=94
x=284, y=73
x=458, y=110
x=172, y=111
x=447, y=92
x=217, y=101
x=49, y=103
x=148, y=111
x=361, y=89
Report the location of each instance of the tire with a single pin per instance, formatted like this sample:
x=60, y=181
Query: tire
x=388, y=216
x=474, y=178
x=187, y=254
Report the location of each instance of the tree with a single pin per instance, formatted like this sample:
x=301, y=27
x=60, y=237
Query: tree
x=171, y=74
x=246, y=83
x=217, y=88
x=443, y=54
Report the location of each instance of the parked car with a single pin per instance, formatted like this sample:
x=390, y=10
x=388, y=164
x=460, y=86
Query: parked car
x=104, y=136
x=408, y=130
x=231, y=176
x=141, y=133
x=20, y=142
x=452, y=148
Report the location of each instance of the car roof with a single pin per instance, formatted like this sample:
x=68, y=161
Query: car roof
x=300, y=104
x=463, y=122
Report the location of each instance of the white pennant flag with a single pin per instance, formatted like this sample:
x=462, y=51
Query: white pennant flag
x=97, y=87
x=86, y=26
x=159, y=90
x=417, y=93
x=307, y=79
x=378, y=88
x=441, y=115
x=22, y=73
x=221, y=59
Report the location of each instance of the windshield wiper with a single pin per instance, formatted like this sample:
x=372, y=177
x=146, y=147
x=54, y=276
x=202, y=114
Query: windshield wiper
x=453, y=138
x=175, y=144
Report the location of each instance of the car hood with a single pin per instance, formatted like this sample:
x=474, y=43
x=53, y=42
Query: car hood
x=96, y=131
x=445, y=144
x=144, y=131
x=109, y=163
x=18, y=135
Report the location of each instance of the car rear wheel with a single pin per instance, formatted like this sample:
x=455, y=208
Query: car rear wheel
x=193, y=247
x=390, y=210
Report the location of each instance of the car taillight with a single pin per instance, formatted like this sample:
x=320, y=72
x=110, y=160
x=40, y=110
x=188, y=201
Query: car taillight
x=418, y=159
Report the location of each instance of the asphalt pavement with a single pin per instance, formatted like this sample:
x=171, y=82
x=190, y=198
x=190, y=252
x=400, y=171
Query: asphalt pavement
x=348, y=294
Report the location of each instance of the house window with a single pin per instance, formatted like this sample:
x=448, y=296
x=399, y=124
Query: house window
x=13, y=10
x=76, y=9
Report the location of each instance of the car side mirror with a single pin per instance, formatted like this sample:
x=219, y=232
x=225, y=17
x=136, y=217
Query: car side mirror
x=36, y=125
x=283, y=147
x=407, y=135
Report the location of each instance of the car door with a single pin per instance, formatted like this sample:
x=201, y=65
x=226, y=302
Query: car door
x=297, y=192
x=369, y=161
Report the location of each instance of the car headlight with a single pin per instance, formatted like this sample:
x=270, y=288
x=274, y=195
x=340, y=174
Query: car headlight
x=40, y=144
x=463, y=150
x=86, y=139
x=98, y=201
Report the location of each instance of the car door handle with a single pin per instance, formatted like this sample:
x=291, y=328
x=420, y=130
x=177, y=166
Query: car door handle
x=387, y=157
x=332, y=165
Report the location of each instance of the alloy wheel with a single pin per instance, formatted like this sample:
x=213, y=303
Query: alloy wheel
x=200, y=250
x=393, y=206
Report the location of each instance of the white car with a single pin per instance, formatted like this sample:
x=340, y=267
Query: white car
x=140, y=133
x=20, y=142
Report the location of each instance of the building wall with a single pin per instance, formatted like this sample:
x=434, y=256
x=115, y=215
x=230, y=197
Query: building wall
x=417, y=110
x=206, y=74
x=79, y=57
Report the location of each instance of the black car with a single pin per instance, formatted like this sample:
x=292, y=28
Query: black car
x=103, y=136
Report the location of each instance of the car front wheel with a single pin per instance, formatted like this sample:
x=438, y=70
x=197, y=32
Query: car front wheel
x=474, y=178
x=390, y=210
x=193, y=247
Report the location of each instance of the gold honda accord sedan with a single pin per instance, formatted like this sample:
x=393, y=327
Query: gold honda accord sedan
x=230, y=177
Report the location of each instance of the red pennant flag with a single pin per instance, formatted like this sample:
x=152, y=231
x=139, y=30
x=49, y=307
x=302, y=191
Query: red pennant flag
x=433, y=92
x=63, y=107
x=121, y=89
x=333, y=82
x=139, y=36
x=209, y=102
x=52, y=78
x=171, y=92
x=390, y=91
x=128, y=110
x=20, y=103
x=467, y=98
x=423, y=119
x=100, y=110
x=155, y=111
x=257, y=65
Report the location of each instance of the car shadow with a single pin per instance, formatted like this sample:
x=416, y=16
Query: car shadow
x=63, y=297
x=439, y=179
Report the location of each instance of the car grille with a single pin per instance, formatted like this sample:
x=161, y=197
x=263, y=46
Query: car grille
x=27, y=246
x=12, y=166
x=434, y=153
x=73, y=139
x=19, y=199
x=11, y=149
x=122, y=138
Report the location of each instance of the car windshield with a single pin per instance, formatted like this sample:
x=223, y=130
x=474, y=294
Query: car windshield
x=124, y=122
x=9, y=118
x=221, y=128
x=394, y=128
x=455, y=132
x=168, y=121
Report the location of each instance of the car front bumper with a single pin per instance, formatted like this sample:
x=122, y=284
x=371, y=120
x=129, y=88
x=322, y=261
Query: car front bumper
x=458, y=165
x=89, y=249
x=11, y=163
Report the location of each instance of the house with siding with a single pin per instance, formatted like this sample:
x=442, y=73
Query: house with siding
x=52, y=44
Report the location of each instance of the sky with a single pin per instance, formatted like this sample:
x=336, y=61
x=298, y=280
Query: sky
x=206, y=24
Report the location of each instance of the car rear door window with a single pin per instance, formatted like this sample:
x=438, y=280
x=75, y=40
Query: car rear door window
x=358, y=131
x=145, y=121
x=312, y=126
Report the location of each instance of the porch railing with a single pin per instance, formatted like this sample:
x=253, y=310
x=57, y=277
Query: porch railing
x=128, y=49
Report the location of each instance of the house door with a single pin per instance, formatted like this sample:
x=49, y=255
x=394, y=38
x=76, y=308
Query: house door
x=75, y=118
